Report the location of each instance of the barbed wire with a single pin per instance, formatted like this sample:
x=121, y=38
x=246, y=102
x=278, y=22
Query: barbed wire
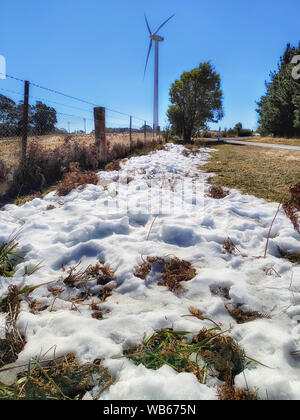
x=71, y=97
x=110, y=121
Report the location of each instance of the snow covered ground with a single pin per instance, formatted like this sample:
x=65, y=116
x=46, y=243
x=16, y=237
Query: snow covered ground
x=111, y=223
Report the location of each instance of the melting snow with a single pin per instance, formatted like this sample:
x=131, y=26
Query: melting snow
x=111, y=224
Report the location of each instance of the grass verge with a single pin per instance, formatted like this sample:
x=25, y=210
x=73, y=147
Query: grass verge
x=265, y=173
x=274, y=140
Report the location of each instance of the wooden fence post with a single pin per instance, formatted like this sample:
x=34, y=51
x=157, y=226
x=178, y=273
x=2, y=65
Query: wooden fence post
x=25, y=121
x=100, y=135
x=145, y=132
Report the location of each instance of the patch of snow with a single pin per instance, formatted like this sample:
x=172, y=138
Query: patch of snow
x=150, y=215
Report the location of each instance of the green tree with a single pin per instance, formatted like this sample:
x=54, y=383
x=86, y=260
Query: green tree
x=43, y=119
x=196, y=100
x=8, y=116
x=279, y=108
x=238, y=127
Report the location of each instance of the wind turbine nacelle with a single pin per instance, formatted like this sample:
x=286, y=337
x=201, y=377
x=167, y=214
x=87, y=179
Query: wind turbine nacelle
x=157, y=38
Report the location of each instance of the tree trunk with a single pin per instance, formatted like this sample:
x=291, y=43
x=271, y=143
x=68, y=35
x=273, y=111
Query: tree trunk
x=187, y=135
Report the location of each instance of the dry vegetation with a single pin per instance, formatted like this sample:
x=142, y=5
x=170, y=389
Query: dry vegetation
x=74, y=178
x=264, y=173
x=242, y=317
x=217, y=192
x=60, y=379
x=275, y=140
x=11, y=147
x=174, y=272
x=227, y=392
x=219, y=353
x=48, y=156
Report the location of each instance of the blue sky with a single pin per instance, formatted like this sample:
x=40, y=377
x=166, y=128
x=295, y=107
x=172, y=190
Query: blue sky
x=96, y=50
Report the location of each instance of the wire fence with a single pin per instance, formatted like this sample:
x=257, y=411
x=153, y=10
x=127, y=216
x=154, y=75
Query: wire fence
x=34, y=115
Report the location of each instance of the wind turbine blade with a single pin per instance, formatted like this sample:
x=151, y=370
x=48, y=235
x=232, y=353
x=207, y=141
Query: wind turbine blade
x=163, y=24
x=148, y=25
x=150, y=46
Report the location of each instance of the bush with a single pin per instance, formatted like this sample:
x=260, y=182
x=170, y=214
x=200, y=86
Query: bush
x=74, y=179
x=230, y=133
x=45, y=167
x=3, y=171
x=245, y=133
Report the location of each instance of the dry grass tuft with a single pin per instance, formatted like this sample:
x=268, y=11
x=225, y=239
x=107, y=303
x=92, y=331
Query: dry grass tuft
x=177, y=271
x=229, y=246
x=221, y=352
x=227, y=392
x=217, y=192
x=13, y=343
x=293, y=214
x=61, y=379
x=113, y=166
x=36, y=307
x=101, y=274
x=74, y=178
x=293, y=257
x=242, y=317
x=174, y=273
x=87, y=281
x=295, y=195
x=50, y=207
x=12, y=300
x=97, y=315
x=292, y=207
x=142, y=270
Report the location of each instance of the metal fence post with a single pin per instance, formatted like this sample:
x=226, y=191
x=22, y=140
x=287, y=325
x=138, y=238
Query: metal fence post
x=130, y=134
x=100, y=135
x=145, y=132
x=25, y=120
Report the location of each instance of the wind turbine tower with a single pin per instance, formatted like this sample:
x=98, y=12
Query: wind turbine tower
x=157, y=39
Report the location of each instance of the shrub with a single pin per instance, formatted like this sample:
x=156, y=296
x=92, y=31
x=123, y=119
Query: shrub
x=118, y=151
x=45, y=167
x=74, y=179
x=245, y=133
x=230, y=133
x=3, y=171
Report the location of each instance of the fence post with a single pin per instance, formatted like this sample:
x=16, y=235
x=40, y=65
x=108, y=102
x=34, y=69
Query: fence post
x=145, y=132
x=100, y=136
x=130, y=134
x=25, y=120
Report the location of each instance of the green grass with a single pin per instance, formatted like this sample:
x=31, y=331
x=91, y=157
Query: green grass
x=265, y=173
x=8, y=254
x=58, y=380
x=208, y=349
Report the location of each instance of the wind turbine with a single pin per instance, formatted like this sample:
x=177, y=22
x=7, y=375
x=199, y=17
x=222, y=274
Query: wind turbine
x=157, y=39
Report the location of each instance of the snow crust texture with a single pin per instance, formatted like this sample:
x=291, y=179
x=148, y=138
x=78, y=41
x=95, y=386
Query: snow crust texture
x=158, y=205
